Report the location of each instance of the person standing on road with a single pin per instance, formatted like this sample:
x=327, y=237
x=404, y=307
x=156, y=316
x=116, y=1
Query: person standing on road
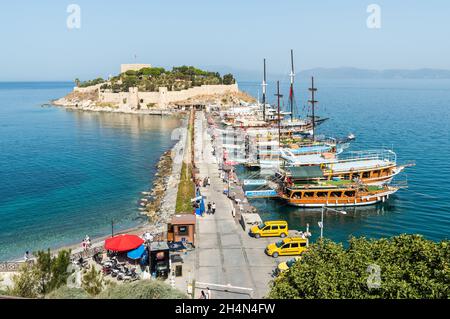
x=213, y=208
x=208, y=181
x=208, y=293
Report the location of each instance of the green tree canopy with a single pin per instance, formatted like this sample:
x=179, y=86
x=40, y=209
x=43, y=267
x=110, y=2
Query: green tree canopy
x=47, y=273
x=228, y=79
x=409, y=267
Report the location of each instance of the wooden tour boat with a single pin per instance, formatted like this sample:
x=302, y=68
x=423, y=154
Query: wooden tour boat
x=335, y=195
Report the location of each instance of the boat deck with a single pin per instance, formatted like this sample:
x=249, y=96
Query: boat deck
x=358, y=165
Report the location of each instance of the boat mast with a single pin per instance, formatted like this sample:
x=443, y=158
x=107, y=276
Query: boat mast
x=264, y=84
x=278, y=95
x=313, y=102
x=291, y=92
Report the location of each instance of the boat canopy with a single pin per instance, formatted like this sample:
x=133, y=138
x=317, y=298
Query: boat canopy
x=305, y=172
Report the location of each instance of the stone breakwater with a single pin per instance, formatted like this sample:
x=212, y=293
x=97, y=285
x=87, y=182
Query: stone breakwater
x=159, y=203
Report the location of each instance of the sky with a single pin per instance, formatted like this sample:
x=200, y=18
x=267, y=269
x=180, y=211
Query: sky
x=36, y=43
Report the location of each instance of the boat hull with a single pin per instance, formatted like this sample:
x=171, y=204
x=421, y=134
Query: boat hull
x=363, y=200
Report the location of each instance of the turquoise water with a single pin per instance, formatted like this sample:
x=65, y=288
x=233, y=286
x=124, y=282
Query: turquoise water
x=413, y=117
x=65, y=174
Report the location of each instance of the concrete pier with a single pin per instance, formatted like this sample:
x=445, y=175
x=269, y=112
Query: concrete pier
x=226, y=255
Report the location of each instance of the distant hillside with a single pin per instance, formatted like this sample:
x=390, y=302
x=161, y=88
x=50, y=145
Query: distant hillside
x=355, y=73
x=342, y=73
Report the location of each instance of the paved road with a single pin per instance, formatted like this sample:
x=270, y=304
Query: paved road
x=225, y=254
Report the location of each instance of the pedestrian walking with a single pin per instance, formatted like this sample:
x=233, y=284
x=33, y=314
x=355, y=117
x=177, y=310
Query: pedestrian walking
x=214, y=208
x=209, y=208
x=202, y=295
x=208, y=181
x=26, y=256
x=208, y=293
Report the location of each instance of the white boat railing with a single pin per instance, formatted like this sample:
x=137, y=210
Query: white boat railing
x=381, y=154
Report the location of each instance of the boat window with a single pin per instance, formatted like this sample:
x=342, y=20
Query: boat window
x=297, y=195
x=308, y=194
x=335, y=194
x=366, y=174
x=346, y=177
x=349, y=194
x=322, y=194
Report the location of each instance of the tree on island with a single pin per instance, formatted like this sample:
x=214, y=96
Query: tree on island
x=228, y=79
x=406, y=266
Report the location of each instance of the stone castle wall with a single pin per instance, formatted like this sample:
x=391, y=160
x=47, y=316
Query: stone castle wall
x=133, y=99
x=133, y=67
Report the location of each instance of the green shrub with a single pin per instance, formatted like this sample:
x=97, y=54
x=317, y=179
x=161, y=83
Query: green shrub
x=65, y=292
x=142, y=289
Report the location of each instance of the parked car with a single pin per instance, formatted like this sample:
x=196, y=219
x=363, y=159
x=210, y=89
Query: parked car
x=285, y=265
x=287, y=247
x=275, y=228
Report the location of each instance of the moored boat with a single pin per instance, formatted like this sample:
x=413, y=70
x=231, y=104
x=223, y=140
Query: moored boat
x=336, y=195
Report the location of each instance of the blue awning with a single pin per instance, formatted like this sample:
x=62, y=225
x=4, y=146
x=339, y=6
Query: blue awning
x=137, y=253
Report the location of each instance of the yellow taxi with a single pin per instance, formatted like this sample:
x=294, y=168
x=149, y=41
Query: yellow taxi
x=274, y=228
x=287, y=247
x=285, y=265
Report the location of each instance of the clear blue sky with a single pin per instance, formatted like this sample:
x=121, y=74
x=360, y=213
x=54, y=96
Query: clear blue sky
x=37, y=45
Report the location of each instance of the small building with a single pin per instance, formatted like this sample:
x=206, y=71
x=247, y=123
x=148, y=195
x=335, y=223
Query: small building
x=159, y=259
x=133, y=67
x=182, y=228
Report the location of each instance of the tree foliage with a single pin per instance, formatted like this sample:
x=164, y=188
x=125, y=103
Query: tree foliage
x=92, y=281
x=42, y=276
x=151, y=79
x=410, y=267
x=89, y=83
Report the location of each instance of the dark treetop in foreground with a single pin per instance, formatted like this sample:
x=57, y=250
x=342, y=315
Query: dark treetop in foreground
x=410, y=267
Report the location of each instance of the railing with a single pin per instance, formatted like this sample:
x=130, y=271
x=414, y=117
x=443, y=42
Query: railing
x=383, y=155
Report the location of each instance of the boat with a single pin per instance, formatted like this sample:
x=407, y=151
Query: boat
x=372, y=167
x=336, y=194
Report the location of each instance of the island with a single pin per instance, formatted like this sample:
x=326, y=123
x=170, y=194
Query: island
x=142, y=88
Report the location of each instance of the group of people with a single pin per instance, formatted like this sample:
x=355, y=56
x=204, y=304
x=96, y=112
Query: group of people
x=205, y=295
x=86, y=243
x=206, y=182
x=211, y=208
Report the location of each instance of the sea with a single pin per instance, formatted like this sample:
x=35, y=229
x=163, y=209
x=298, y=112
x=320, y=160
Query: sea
x=65, y=174
x=411, y=117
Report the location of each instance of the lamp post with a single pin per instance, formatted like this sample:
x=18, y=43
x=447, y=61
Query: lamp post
x=324, y=208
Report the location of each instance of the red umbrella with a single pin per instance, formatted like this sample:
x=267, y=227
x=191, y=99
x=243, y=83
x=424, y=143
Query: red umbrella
x=123, y=242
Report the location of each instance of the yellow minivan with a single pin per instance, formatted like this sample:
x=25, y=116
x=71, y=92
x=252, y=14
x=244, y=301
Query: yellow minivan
x=274, y=228
x=287, y=247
